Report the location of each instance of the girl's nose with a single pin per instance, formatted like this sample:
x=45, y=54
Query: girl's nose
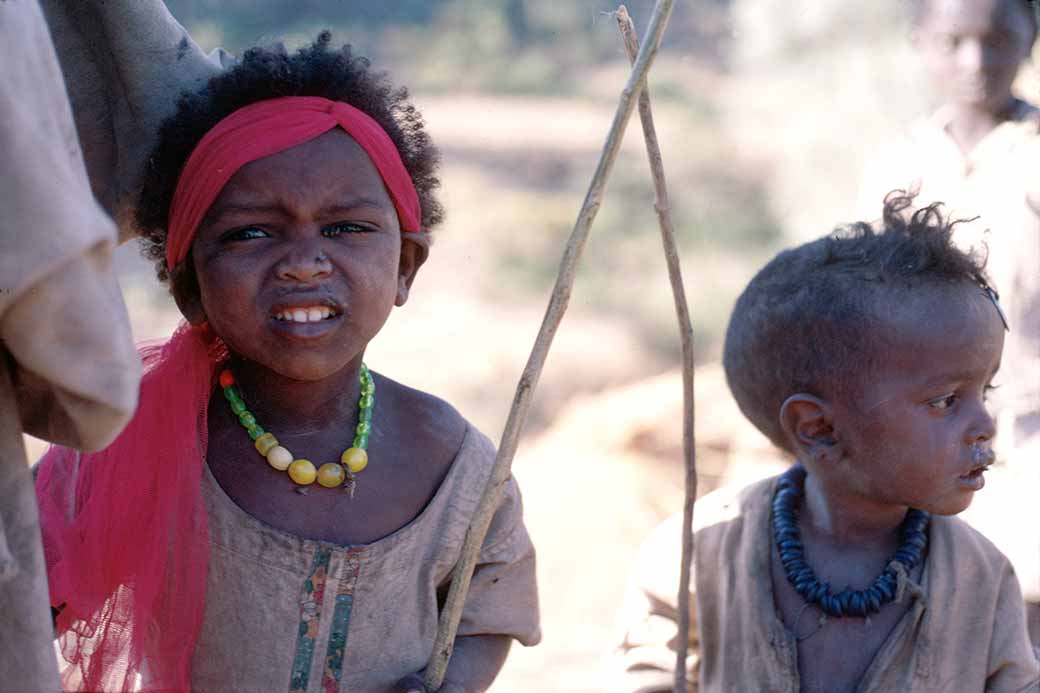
x=305, y=262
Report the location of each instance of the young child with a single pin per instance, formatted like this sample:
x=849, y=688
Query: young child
x=867, y=356
x=978, y=153
x=276, y=516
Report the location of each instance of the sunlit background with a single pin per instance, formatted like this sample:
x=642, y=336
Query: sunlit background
x=766, y=111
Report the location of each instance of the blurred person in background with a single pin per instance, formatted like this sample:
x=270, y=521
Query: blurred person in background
x=68, y=370
x=979, y=153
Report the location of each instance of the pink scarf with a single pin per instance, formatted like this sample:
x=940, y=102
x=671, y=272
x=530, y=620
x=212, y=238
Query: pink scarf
x=129, y=558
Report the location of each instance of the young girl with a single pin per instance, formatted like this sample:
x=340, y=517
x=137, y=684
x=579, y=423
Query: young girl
x=978, y=153
x=868, y=357
x=276, y=516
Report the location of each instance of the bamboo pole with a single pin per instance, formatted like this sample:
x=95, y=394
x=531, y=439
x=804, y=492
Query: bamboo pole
x=682, y=312
x=452, y=613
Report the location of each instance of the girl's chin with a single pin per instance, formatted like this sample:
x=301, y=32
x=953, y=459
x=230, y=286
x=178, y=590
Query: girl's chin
x=303, y=367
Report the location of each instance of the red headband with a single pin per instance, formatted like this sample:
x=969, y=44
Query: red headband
x=268, y=127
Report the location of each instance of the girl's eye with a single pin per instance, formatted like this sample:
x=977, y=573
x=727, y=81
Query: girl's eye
x=987, y=390
x=943, y=403
x=341, y=228
x=244, y=234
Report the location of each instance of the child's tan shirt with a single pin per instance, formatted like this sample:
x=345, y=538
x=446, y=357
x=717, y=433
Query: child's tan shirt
x=966, y=633
x=290, y=614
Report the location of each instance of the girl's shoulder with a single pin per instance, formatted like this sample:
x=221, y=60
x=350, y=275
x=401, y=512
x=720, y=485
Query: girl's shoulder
x=427, y=421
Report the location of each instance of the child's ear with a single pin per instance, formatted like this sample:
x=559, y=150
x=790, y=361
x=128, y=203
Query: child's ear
x=415, y=248
x=185, y=290
x=808, y=422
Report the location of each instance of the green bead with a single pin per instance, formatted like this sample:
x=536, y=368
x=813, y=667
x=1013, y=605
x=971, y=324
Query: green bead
x=238, y=407
x=247, y=419
x=361, y=442
x=230, y=394
x=367, y=401
x=254, y=431
x=363, y=428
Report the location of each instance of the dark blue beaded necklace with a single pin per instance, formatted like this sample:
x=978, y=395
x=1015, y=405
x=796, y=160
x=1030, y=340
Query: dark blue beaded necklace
x=788, y=538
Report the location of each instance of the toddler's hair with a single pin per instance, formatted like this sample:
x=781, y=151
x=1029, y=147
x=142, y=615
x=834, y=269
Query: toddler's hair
x=267, y=73
x=810, y=320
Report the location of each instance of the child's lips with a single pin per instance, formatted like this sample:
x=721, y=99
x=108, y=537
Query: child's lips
x=982, y=457
x=306, y=329
x=304, y=309
x=307, y=318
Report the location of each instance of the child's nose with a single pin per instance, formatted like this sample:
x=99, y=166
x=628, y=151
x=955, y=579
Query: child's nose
x=304, y=262
x=983, y=428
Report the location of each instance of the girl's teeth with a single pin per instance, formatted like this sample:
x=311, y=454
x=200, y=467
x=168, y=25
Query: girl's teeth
x=315, y=314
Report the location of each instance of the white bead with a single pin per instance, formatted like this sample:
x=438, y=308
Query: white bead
x=279, y=458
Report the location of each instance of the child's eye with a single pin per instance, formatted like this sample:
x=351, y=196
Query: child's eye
x=987, y=390
x=943, y=403
x=244, y=234
x=341, y=228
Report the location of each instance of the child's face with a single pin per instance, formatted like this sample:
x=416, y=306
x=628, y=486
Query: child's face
x=917, y=431
x=300, y=258
x=973, y=49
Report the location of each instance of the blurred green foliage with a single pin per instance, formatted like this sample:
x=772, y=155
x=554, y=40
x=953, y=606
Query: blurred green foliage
x=515, y=46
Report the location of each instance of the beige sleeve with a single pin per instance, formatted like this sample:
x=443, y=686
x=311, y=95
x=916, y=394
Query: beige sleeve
x=503, y=595
x=1014, y=663
x=644, y=658
x=63, y=325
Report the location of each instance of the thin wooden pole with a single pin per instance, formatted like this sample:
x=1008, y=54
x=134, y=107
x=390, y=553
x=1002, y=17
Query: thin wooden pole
x=682, y=312
x=452, y=613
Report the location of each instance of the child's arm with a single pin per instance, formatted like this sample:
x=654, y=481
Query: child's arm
x=475, y=662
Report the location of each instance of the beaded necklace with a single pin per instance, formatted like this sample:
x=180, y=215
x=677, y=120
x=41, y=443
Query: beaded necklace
x=302, y=471
x=860, y=603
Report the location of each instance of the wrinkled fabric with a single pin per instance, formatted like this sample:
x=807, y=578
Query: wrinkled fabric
x=283, y=613
x=966, y=633
x=992, y=182
x=68, y=371
x=126, y=64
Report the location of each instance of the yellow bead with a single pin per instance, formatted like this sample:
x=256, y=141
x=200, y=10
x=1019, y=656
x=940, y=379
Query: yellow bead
x=331, y=475
x=265, y=442
x=355, y=459
x=279, y=458
x=302, y=472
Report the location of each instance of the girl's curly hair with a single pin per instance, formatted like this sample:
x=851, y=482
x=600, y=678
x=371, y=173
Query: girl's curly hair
x=267, y=73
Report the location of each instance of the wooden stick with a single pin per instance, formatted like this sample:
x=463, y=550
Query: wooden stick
x=452, y=613
x=682, y=312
